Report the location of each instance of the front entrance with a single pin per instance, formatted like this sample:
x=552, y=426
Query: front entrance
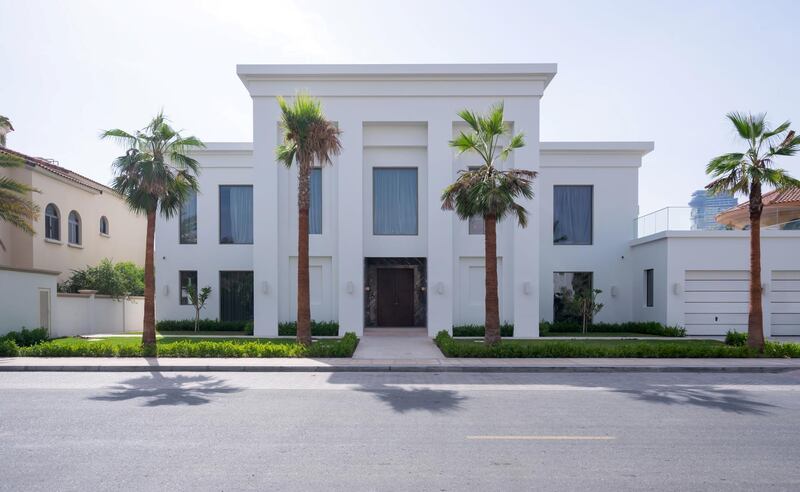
x=395, y=297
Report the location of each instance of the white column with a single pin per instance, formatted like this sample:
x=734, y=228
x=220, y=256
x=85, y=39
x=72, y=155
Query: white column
x=266, y=295
x=350, y=247
x=525, y=284
x=440, y=227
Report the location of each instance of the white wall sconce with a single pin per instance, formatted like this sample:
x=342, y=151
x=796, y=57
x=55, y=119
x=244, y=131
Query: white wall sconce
x=439, y=288
x=166, y=290
x=526, y=288
x=677, y=288
x=349, y=287
x=265, y=287
x=614, y=291
x=764, y=288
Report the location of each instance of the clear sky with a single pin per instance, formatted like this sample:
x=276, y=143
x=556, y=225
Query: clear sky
x=628, y=70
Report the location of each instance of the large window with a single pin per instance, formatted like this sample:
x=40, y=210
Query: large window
x=187, y=278
x=52, y=223
x=394, y=192
x=315, y=205
x=236, y=296
x=188, y=220
x=567, y=285
x=74, y=235
x=104, y=225
x=648, y=287
x=236, y=215
x=572, y=215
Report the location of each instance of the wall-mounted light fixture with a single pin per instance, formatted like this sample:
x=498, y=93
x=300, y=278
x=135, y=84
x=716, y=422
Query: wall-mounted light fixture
x=349, y=287
x=166, y=290
x=526, y=288
x=265, y=287
x=614, y=291
x=439, y=288
x=677, y=288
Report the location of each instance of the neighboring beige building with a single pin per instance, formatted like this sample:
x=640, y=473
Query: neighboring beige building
x=80, y=222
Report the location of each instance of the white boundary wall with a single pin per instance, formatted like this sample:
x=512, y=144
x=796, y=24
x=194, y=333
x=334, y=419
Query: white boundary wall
x=83, y=314
x=21, y=297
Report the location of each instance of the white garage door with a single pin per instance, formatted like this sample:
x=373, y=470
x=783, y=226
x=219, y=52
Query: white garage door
x=715, y=301
x=784, y=300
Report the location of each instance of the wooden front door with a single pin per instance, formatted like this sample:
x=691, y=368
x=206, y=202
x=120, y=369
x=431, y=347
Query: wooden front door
x=395, y=297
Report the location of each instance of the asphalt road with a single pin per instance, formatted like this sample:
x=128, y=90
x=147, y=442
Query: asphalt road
x=383, y=431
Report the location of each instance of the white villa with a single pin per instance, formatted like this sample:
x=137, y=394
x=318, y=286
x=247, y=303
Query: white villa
x=383, y=253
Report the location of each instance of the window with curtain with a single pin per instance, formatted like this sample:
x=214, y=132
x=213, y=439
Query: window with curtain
x=186, y=277
x=188, y=220
x=394, y=201
x=74, y=230
x=315, y=205
x=648, y=286
x=236, y=296
x=572, y=215
x=52, y=223
x=566, y=285
x=104, y=225
x=236, y=214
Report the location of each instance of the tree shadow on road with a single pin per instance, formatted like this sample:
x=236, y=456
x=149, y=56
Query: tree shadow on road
x=403, y=400
x=727, y=400
x=157, y=389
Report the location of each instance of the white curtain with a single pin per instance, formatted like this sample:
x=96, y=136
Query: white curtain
x=236, y=214
x=188, y=220
x=315, y=207
x=394, y=201
x=572, y=215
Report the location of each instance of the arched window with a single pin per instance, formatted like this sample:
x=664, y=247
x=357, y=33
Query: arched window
x=52, y=223
x=74, y=228
x=104, y=225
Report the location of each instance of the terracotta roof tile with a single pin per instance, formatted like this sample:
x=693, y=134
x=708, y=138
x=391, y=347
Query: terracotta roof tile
x=775, y=197
x=57, y=170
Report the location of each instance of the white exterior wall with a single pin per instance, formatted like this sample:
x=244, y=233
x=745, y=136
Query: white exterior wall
x=19, y=298
x=85, y=314
x=672, y=253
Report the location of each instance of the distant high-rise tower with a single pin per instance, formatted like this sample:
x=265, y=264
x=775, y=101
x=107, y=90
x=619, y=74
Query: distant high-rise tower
x=706, y=206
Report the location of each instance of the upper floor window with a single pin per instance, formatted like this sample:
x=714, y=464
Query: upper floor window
x=74, y=228
x=315, y=205
x=188, y=220
x=104, y=225
x=52, y=223
x=394, y=200
x=236, y=214
x=572, y=214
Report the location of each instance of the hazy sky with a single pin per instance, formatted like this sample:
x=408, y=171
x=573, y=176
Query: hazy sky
x=627, y=70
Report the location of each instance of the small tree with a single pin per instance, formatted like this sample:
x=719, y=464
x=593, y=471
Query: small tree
x=198, y=300
x=587, y=306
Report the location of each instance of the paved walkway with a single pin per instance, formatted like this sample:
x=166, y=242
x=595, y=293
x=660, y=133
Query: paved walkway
x=397, y=343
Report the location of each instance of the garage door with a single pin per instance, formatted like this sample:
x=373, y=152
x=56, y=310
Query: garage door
x=715, y=301
x=784, y=302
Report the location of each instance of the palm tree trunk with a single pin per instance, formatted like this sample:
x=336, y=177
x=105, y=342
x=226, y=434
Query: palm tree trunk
x=492, y=305
x=303, y=295
x=149, y=325
x=755, y=319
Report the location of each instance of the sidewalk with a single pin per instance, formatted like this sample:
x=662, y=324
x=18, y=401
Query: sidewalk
x=99, y=364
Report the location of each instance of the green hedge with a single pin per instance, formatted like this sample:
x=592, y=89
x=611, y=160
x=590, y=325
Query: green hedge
x=572, y=348
x=545, y=327
x=8, y=348
x=343, y=347
x=318, y=328
x=735, y=338
x=203, y=325
x=26, y=337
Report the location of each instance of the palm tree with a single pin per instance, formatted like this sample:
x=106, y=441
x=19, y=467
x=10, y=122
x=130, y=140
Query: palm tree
x=489, y=192
x=155, y=175
x=745, y=173
x=5, y=127
x=15, y=207
x=307, y=138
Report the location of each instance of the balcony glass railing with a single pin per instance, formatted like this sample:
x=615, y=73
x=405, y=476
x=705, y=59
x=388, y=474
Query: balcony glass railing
x=681, y=219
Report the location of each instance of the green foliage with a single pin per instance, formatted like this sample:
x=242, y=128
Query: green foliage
x=203, y=325
x=318, y=328
x=26, y=337
x=343, y=347
x=248, y=328
x=735, y=338
x=576, y=348
x=8, y=348
x=107, y=278
x=587, y=306
x=781, y=350
x=545, y=328
x=15, y=206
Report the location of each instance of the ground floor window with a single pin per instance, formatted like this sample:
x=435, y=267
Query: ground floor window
x=648, y=286
x=566, y=286
x=236, y=296
x=186, y=278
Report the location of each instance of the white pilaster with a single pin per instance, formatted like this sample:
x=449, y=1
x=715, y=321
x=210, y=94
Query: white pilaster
x=440, y=261
x=350, y=247
x=266, y=295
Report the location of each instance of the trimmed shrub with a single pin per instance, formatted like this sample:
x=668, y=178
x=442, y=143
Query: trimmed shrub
x=248, y=328
x=26, y=337
x=506, y=330
x=84, y=349
x=8, y=348
x=203, y=325
x=318, y=328
x=787, y=350
x=563, y=348
x=735, y=338
x=545, y=327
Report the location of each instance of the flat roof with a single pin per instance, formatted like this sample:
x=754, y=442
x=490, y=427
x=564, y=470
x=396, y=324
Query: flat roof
x=643, y=147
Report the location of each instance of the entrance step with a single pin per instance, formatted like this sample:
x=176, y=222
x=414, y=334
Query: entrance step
x=397, y=343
